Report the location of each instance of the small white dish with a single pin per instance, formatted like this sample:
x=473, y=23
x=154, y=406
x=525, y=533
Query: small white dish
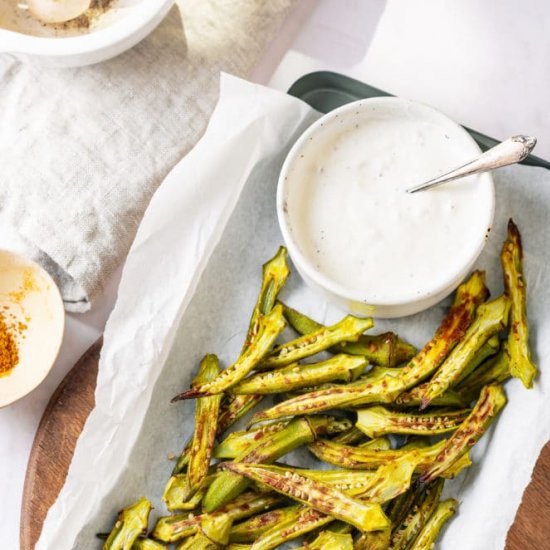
x=353, y=232
x=29, y=296
x=121, y=27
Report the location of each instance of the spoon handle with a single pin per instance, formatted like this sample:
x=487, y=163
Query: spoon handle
x=511, y=151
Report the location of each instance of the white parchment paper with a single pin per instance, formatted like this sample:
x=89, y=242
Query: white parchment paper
x=188, y=287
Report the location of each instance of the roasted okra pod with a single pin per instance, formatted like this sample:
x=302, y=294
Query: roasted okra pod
x=468, y=297
x=521, y=364
x=304, y=521
x=490, y=403
x=363, y=515
x=131, y=523
x=377, y=421
x=390, y=480
x=231, y=410
x=180, y=526
x=176, y=493
x=413, y=398
x=274, y=275
x=385, y=350
x=269, y=327
x=239, y=443
x=361, y=458
x=346, y=481
x=206, y=426
x=377, y=386
x=297, y=376
x=251, y=529
x=346, y=330
x=491, y=318
x=412, y=520
x=444, y=511
x=213, y=533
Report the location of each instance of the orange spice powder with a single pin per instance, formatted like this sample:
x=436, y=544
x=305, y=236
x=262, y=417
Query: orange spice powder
x=11, y=328
x=9, y=352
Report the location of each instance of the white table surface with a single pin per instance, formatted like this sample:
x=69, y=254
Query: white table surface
x=483, y=63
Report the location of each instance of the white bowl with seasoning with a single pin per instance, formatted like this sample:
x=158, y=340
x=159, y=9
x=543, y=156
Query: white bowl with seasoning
x=31, y=326
x=355, y=234
x=105, y=29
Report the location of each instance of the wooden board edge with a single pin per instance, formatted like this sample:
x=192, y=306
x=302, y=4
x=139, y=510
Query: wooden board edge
x=35, y=505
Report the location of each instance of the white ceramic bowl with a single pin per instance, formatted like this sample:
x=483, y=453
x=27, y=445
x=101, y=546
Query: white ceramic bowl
x=121, y=27
x=29, y=296
x=305, y=151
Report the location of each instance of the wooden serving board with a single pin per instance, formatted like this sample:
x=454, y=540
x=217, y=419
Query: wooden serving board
x=72, y=402
x=54, y=443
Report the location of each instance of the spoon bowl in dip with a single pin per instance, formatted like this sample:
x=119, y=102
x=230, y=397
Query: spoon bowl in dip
x=55, y=11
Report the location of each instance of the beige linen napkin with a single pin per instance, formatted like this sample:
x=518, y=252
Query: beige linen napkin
x=84, y=149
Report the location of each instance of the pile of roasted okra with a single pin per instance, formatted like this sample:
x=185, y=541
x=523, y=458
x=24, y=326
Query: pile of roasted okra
x=381, y=492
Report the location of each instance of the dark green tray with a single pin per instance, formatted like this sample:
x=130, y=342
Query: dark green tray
x=325, y=91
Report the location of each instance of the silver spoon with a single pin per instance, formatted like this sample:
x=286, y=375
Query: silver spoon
x=511, y=151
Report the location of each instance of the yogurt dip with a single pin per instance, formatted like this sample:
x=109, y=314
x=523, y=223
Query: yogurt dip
x=352, y=228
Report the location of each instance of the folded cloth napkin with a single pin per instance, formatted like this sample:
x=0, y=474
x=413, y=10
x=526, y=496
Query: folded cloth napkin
x=84, y=149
